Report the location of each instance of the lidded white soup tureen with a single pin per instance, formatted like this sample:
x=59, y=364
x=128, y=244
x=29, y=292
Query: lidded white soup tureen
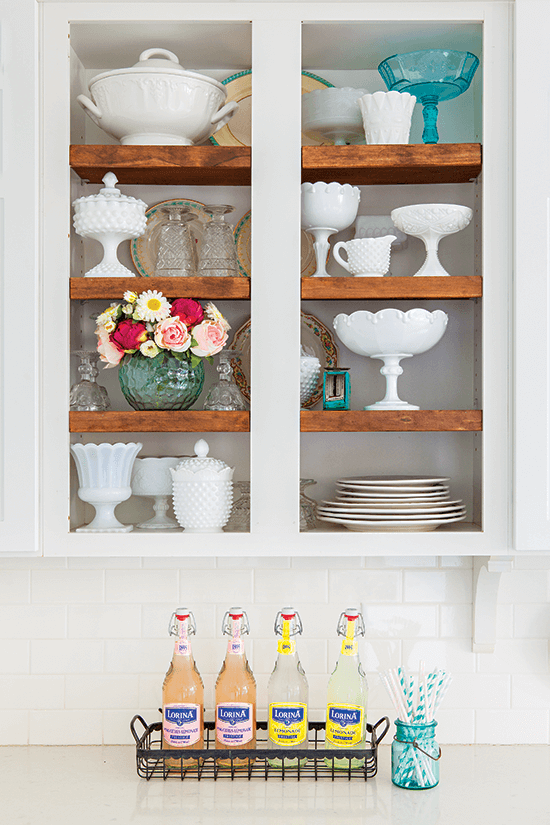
x=157, y=101
x=203, y=491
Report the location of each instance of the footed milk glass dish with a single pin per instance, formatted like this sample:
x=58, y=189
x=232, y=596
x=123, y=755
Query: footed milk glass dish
x=157, y=101
x=333, y=115
x=391, y=335
x=431, y=222
x=104, y=472
x=110, y=218
x=387, y=116
x=151, y=478
x=327, y=208
x=432, y=75
x=367, y=257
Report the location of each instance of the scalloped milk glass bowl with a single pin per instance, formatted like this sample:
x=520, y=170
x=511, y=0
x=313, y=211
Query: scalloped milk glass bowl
x=391, y=335
x=431, y=222
x=333, y=115
x=157, y=101
x=387, y=116
x=327, y=208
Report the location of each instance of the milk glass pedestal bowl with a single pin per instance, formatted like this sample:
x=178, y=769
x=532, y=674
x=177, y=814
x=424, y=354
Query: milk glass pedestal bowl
x=431, y=75
x=151, y=477
x=431, y=222
x=391, y=335
x=333, y=115
x=104, y=472
x=327, y=208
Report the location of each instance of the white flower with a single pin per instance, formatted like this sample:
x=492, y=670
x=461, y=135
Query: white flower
x=107, y=315
x=109, y=326
x=149, y=349
x=152, y=306
x=128, y=309
x=130, y=297
x=214, y=314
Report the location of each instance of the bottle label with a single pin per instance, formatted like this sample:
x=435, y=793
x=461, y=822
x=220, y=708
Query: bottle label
x=345, y=725
x=287, y=723
x=181, y=724
x=182, y=647
x=349, y=647
x=286, y=646
x=234, y=723
x=235, y=645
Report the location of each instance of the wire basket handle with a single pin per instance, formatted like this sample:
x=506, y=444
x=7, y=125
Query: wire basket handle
x=137, y=718
x=384, y=720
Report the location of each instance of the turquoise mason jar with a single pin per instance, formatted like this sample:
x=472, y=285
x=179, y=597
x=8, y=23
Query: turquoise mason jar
x=415, y=756
x=160, y=383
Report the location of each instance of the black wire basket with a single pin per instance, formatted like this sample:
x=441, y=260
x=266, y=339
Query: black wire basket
x=315, y=762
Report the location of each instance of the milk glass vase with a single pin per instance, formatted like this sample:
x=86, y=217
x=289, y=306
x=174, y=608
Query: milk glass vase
x=104, y=472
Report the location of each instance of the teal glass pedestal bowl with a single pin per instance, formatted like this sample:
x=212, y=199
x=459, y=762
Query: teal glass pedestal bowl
x=432, y=75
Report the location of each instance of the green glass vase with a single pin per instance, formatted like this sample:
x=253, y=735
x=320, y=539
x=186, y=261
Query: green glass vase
x=160, y=383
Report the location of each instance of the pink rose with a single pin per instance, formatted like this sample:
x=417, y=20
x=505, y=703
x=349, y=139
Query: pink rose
x=188, y=310
x=129, y=334
x=172, y=334
x=109, y=352
x=210, y=337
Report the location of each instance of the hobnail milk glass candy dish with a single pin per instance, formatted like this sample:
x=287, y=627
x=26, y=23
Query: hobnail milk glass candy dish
x=333, y=114
x=327, y=208
x=203, y=491
x=157, y=101
x=431, y=222
x=110, y=218
x=151, y=478
x=391, y=335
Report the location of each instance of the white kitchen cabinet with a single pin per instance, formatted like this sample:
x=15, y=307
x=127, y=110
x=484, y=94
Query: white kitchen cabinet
x=468, y=370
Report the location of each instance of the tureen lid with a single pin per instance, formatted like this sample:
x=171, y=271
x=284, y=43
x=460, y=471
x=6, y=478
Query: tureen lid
x=201, y=461
x=164, y=62
x=110, y=193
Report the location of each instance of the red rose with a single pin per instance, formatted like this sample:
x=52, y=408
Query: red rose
x=188, y=310
x=129, y=334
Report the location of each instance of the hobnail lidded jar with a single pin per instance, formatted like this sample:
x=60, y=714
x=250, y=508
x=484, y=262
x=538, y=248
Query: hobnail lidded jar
x=202, y=491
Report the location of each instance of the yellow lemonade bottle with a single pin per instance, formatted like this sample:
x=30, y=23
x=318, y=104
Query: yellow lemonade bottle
x=182, y=693
x=235, y=692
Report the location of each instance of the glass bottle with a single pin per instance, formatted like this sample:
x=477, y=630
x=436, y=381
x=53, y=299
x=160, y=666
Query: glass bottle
x=225, y=394
x=218, y=253
x=347, y=694
x=287, y=692
x=87, y=394
x=235, y=692
x=182, y=693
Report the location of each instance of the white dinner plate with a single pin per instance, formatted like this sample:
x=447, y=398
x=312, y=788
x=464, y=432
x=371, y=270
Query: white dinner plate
x=435, y=512
x=370, y=526
x=385, y=516
x=394, y=480
x=357, y=496
x=375, y=488
x=394, y=505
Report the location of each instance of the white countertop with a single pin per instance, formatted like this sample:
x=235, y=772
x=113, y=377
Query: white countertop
x=480, y=785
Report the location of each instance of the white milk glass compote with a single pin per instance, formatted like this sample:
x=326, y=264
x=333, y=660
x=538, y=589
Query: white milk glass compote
x=391, y=335
x=431, y=222
x=327, y=208
x=151, y=478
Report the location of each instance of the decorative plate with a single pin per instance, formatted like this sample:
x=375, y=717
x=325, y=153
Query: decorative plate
x=239, y=88
x=315, y=337
x=393, y=480
x=370, y=526
x=142, y=252
x=242, y=242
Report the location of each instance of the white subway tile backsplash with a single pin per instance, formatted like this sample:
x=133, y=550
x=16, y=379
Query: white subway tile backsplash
x=103, y=621
x=515, y=656
x=254, y=562
x=14, y=656
x=15, y=586
x=455, y=727
x=451, y=585
x=485, y=691
x=156, y=617
x=312, y=653
x=14, y=727
x=178, y=563
x=32, y=621
x=60, y=656
x=140, y=586
x=400, y=621
x=326, y=562
x=532, y=621
x=518, y=586
x=101, y=692
x=30, y=692
x=455, y=620
x=65, y=727
x=453, y=655
x=230, y=587
x=296, y=587
x=531, y=690
x=350, y=589
x=66, y=586
x=103, y=563
x=512, y=727
x=137, y=655
x=116, y=725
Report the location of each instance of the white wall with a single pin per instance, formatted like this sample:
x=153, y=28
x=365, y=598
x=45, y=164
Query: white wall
x=84, y=644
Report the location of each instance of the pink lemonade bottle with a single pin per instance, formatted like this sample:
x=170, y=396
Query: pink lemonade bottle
x=235, y=692
x=182, y=693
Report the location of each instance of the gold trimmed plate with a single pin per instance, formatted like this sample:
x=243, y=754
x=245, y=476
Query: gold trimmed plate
x=242, y=242
x=141, y=249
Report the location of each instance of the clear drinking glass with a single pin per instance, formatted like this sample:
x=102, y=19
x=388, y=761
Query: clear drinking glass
x=239, y=520
x=176, y=253
x=308, y=507
x=225, y=394
x=87, y=395
x=218, y=253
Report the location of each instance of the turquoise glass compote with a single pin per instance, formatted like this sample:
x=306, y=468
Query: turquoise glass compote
x=431, y=75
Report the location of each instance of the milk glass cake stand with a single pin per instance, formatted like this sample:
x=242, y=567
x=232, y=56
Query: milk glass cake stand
x=432, y=75
x=391, y=335
x=431, y=222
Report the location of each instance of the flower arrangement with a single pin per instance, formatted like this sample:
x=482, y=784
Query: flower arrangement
x=149, y=326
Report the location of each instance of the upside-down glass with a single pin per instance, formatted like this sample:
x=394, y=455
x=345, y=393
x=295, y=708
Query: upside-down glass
x=218, y=253
x=174, y=245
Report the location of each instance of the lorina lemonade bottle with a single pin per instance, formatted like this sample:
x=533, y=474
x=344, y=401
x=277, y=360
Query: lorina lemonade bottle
x=287, y=692
x=182, y=692
x=235, y=692
x=347, y=694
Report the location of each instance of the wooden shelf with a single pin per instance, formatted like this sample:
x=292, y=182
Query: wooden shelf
x=135, y=421
x=207, y=165
x=377, y=421
x=373, y=289
x=86, y=289
x=392, y=163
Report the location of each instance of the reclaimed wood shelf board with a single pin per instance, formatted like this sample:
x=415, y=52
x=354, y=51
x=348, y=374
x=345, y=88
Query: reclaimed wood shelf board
x=382, y=164
x=86, y=289
x=162, y=421
x=357, y=421
x=207, y=165
x=373, y=289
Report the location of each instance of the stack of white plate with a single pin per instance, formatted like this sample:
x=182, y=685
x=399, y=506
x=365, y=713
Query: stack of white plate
x=388, y=504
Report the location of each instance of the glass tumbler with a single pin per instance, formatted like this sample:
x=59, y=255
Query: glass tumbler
x=218, y=253
x=176, y=253
x=415, y=756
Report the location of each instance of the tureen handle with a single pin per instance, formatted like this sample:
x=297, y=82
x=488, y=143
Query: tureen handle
x=93, y=110
x=162, y=52
x=224, y=115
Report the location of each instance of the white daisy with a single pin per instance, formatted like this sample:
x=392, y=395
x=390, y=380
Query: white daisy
x=152, y=306
x=214, y=314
